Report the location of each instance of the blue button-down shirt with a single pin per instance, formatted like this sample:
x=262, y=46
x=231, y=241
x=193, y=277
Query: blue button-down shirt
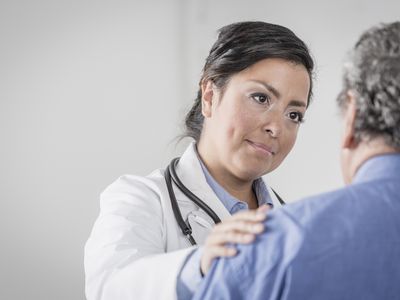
x=190, y=276
x=339, y=245
x=232, y=204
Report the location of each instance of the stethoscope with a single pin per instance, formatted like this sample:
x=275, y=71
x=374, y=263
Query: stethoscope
x=170, y=175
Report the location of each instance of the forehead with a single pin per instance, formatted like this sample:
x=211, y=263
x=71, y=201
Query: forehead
x=290, y=79
x=274, y=67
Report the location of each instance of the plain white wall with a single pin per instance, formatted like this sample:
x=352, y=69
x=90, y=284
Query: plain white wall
x=90, y=90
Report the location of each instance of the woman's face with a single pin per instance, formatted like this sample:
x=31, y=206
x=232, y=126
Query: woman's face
x=252, y=125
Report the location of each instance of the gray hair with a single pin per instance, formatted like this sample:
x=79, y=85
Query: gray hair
x=373, y=74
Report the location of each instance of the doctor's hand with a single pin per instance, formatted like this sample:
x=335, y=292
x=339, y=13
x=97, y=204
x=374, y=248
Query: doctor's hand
x=241, y=228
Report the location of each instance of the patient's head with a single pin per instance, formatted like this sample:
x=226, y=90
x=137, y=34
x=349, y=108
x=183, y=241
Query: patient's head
x=372, y=74
x=370, y=99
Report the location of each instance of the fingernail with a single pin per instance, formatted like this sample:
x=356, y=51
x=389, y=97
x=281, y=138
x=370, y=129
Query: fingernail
x=264, y=207
x=249, y=238
x=232, y=251
x=257, y=227
x=261, y=213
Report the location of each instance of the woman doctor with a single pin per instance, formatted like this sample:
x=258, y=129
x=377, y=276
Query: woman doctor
x=254, y=91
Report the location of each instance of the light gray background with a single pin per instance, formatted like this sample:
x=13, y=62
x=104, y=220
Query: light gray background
x=90, y=90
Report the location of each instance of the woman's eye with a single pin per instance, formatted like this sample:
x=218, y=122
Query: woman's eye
x=260, y=98
x=296, y=117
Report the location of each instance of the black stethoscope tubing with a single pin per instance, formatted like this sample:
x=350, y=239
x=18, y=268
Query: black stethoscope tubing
x=170, y=175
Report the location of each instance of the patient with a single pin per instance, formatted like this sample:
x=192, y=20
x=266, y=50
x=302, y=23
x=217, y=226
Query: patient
x=344, y=244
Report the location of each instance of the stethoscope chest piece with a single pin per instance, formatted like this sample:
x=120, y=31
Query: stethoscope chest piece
x=171, y=176
x=200, y=223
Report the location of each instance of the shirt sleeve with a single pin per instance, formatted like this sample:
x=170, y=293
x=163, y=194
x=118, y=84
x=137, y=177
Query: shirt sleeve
x=190, y=276
x=217, y=285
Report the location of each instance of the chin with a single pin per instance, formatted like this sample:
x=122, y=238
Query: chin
x=267, y=168
x=255, y=171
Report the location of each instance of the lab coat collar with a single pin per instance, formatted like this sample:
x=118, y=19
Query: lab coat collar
x=191, y=174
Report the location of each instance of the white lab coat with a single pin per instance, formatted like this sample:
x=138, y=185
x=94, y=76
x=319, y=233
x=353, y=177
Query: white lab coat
x=136, y=248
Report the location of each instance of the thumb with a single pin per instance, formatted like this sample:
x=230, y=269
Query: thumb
x=264, y=208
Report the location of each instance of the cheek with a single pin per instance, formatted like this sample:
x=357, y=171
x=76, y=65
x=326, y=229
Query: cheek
x=238, y=123
x=289, y=141
x=230, y=131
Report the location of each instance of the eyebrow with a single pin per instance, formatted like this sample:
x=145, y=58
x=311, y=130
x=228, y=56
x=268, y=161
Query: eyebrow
x=268, y=87
x=278, y=95
x=297, y=103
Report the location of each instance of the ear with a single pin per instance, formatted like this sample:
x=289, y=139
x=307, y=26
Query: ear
x=207, y=98
x=348, y=139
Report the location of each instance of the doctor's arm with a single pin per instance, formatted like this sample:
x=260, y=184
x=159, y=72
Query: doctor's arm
x=125, y=255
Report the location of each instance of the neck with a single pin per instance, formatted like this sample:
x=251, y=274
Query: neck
x=241, y=190
x=235, y=186
x=364, y=151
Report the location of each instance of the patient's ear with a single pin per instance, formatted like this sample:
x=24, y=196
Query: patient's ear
x=207, y=97
x=348, y=138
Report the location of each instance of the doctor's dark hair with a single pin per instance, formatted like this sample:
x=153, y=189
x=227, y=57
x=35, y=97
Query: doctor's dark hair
x=372, y=73
x=239, y=46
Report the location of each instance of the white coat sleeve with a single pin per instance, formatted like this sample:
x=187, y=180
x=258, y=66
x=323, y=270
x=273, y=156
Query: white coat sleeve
x=125, y=255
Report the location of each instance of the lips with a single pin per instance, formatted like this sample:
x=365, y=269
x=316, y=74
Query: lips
x=262, y=147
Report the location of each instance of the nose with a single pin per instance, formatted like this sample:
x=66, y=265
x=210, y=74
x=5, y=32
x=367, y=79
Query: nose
x=273, y=125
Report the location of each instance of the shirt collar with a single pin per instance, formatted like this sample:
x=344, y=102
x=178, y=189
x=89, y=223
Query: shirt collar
x=380, y=166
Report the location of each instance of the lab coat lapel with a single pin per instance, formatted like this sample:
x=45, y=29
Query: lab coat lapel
x=191, y=174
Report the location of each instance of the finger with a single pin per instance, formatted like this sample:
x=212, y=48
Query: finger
x=220, y=251
x=258, y=214
x=211, y=253
x=230, y=237
x=241, y=221
x=240, y=226
x=264, y=208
